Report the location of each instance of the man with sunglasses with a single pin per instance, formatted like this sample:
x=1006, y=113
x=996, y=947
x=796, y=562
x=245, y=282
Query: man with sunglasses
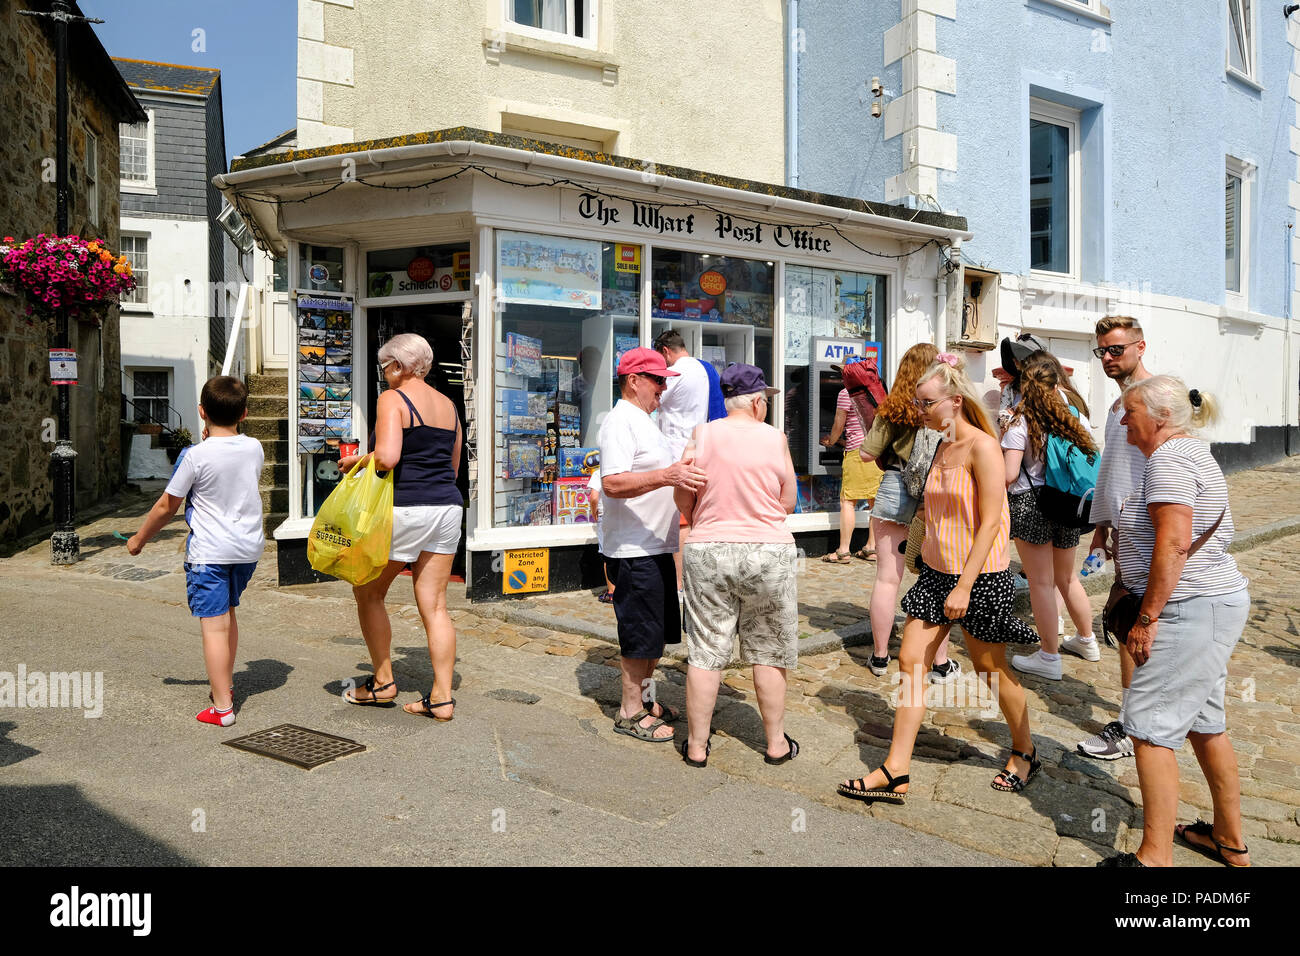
x=640, y=536
x=1121, y=347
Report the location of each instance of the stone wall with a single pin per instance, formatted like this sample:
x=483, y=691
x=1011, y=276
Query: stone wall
x=27, y=207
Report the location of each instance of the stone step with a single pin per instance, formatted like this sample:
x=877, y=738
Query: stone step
x=275, y=474
x=268, y=384
x=275, y=451
x=267, y=428
x=268, y=406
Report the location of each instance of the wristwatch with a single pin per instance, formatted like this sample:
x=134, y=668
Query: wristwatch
x=1145, y=620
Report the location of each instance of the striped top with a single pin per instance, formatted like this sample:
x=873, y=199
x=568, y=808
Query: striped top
x=1181, y=471
x=952, y=518
x=852, y=423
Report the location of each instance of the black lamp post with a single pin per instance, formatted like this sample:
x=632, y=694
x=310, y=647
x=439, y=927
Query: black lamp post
x=65, y=546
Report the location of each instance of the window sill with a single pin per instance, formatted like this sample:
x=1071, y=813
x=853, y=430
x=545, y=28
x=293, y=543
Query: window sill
x=1236, y=312
x=139, y=190
x=1068, y=7
x=128, y=308
x=496, y=42
x=1243, y=79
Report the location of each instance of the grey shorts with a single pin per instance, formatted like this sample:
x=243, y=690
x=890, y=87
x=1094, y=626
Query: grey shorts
x=893, y=503
x=1180, y=689
x=745, y=591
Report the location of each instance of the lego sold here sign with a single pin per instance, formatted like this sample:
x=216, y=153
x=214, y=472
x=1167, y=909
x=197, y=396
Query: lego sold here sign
x=526, y=571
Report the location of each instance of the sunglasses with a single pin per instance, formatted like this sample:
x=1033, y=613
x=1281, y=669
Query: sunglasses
x=383, y=366
x=658, y=380
x=1115, y=350
x=924, y=404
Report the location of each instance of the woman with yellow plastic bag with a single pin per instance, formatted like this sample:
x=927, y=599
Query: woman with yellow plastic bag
x=417, y=439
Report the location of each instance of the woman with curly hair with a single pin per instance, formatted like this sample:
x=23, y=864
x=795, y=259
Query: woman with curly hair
x=1049, y=406
x=965, y=579
x=889, y=444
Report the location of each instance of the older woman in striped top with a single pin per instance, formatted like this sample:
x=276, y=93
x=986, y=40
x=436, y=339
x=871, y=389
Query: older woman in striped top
x=965, y=579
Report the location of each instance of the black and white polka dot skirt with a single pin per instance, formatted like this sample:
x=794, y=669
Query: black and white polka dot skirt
x=988, y=617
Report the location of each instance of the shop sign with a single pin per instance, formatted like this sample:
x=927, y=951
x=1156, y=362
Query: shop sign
x=713, y=283
x=319, y=273
x=835, y=351
x=667, y=219
x=460, y=268
x=526, y=571
x=420, y=269
x=627, y=258
x=382, y=284
x=63, y=367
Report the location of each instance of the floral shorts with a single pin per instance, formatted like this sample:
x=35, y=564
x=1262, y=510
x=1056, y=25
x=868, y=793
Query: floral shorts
x=742, y=591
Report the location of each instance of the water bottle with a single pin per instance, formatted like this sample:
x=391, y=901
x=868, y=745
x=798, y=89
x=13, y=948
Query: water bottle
x=1093, y=563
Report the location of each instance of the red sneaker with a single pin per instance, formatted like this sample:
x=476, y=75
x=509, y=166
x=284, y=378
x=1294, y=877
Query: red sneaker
x=219, y=717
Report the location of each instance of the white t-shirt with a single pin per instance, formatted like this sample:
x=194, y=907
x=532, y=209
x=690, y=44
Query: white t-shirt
x=1016, y=438
x=219, y=479
x=647, y=524
x=1122, y=469
x=684, y=403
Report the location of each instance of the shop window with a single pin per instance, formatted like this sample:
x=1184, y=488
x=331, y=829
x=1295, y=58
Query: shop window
x=320, y=268
x=418, y=270
x=567, y=310
x=828, y=314
x=722, y=306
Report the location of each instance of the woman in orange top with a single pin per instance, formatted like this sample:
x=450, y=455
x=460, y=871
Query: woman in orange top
x=965, y=579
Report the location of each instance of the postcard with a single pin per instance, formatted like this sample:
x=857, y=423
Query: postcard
x=311, y=373
x=311, y=391
x=312, y=409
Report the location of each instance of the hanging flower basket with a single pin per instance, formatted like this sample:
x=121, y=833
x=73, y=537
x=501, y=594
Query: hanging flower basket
x=69, y=272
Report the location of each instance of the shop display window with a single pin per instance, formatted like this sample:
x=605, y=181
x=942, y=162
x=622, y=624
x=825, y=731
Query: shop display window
x=722, y=305
x=567, y=310
x=827, y=313
x=320, y=268
x=418, y=270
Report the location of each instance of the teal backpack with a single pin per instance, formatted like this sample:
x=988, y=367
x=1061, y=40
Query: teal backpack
x=1069, y=480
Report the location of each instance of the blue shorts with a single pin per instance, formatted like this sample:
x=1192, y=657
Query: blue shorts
x=213, y=589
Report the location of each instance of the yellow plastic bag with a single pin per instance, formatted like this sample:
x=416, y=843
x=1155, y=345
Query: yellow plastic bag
x=353, y=531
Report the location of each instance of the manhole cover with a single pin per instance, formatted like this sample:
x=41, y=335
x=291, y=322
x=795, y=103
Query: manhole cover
x=296, y=745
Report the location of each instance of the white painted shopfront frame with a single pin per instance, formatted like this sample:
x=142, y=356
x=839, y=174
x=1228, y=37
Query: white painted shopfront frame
x=480, y=535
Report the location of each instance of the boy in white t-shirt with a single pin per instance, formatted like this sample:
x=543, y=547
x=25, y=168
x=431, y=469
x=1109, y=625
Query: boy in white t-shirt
x=218, y=481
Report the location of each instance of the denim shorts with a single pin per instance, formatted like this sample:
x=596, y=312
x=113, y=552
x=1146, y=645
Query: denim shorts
x=1181, y=687
x=893, y=503
x=213, y=589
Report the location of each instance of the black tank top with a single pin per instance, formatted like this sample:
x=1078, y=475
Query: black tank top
x=424, y=474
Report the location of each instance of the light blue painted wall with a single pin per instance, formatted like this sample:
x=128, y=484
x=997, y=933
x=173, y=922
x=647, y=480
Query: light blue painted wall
x=1168, y=116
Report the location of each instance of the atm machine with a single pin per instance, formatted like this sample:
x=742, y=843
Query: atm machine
x=825, y=385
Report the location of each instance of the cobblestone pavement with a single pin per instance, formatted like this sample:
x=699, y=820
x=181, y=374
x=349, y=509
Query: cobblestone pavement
x=1075, y=812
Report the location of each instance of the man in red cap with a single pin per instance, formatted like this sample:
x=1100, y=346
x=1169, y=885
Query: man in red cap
x=638, y=474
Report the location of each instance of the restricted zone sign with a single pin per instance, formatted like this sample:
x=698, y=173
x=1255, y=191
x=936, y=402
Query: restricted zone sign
x=526, y=571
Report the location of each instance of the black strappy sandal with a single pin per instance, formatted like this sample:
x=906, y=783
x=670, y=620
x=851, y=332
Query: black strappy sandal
x=428, y=709
x=787, y=756
x=708, y=747
x=372, y=700
x=1013, y=782
x=889, y=794
x=1201, y=828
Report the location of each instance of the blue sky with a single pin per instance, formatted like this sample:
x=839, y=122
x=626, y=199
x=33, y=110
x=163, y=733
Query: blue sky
x=252, y=42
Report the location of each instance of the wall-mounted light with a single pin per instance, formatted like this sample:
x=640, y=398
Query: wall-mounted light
x=1289, y=9
x=877, y=93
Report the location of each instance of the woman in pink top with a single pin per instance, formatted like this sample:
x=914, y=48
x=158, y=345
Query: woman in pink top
x=739, y=567
x=965, y=578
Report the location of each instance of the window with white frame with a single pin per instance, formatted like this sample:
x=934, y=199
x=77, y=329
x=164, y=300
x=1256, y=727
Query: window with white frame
x=150, y=394
x=136, y=147
x=575, y=19
x=92, y=178
x=136, y=250
x=1236, y=231
x=1055, y=205
x=1241, y=38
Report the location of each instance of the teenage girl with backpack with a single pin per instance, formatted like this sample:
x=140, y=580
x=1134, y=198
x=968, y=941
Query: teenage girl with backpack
x=1046, y=548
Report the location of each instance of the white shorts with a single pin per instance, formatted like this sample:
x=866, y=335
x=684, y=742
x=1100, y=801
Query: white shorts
x=419, y=528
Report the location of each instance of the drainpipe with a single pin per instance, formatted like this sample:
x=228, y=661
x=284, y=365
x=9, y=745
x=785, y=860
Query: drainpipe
x=1289, y=383
x=792, y=99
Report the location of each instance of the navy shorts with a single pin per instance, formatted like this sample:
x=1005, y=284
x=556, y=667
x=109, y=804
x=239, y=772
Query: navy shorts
x=645, y=604
x=213, y=589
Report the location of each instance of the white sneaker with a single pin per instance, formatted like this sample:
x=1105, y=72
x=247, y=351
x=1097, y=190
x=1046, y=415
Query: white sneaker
x=1022, y=582
x=1088, y=650
x=1034, y=664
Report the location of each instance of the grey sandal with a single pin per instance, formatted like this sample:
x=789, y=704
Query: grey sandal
x=632, y=727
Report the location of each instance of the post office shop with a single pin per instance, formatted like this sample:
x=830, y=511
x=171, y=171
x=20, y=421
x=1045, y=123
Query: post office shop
x=531, y=268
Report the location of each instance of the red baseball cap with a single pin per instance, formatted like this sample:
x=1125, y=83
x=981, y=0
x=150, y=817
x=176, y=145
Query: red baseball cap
x=645, y=362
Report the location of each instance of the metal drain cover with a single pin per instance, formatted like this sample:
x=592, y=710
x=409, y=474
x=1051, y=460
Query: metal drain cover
x=296, y=745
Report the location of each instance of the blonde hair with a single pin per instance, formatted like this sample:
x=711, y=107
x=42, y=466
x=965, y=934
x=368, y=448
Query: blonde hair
x=410, y=351
x=1167, y=399
x=956, y=382
x=1110, y=323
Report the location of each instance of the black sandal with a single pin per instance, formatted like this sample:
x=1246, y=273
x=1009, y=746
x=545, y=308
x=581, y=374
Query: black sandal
x=428, y=709
x=787, y=756
x=372, y=700
x=889, y=794
x=1201, y=828
x=708, y=747
x=1013, y=782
